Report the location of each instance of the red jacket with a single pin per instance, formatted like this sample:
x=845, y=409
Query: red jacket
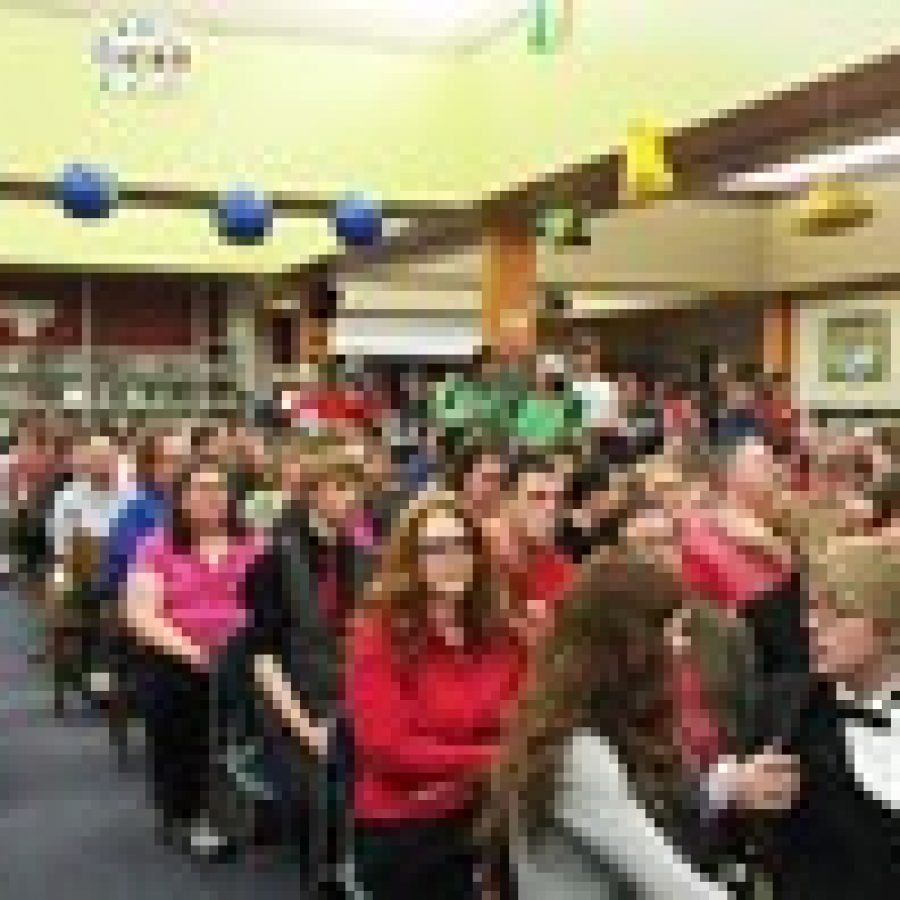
x=424, y=729
x=332, y=405
x=541, y=581
x=719, y=569
x=698, y=733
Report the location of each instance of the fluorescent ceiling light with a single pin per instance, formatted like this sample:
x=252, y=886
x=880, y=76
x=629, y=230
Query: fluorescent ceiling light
x=414, y=22
x=413, y=337
x=866, y=156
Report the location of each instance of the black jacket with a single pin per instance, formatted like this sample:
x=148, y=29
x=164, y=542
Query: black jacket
x=286, y=616
x=286, y=621
x=837, y=840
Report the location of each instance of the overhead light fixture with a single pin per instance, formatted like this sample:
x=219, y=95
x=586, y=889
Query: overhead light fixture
x=414, y=22
x=865, y=156
x=831, y=205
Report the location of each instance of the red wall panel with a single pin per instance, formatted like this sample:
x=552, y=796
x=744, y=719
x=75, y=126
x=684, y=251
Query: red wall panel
x=131, y=311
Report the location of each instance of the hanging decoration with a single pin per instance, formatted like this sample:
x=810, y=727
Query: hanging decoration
x=646, y=169
x=141, y=52
x=86, y=192
x=832, y=202
x=563, y=227
x=358, y=221
x=550, y=25
x=830, y=205
x=244, y=216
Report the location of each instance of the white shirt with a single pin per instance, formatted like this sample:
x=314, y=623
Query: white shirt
x=874, y=753
x=80, y=506
x=596, y=803
x=599, y=397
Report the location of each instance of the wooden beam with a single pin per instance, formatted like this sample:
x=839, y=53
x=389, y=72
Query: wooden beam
x=161, y=196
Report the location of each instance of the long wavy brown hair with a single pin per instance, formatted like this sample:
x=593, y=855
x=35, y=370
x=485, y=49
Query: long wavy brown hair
x=605, y=668
x=399, y=592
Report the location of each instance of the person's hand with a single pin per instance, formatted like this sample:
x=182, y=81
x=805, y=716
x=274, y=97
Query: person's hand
x=677, y=634
x=199, y=658
x=318, y=739
x=768, y=781
x=581, y=518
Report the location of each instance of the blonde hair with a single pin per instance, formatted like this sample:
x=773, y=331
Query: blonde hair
x=660, y=474
x=859, y=575
x=326, y=459
x=812, y=525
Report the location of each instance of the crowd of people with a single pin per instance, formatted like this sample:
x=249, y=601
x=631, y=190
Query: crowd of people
x=531, y=631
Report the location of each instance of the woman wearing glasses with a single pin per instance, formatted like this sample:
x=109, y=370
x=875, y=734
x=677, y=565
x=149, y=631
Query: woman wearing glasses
x=433, y=673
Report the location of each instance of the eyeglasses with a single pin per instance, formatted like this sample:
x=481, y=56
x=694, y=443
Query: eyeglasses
x=446, y=547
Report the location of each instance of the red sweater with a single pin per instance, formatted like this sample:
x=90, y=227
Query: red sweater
x=424, y=729
x=542, y=581
x=332, y=405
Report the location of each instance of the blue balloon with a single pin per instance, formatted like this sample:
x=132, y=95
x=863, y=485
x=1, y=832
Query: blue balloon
x=244, y=216
x=357, y=221
x=86, y=192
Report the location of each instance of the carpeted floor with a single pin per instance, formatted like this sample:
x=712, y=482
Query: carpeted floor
x=71, y=825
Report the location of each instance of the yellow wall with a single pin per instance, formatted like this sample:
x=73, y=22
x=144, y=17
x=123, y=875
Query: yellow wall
x=36, y=233
x=706, y=244
x=866, y=252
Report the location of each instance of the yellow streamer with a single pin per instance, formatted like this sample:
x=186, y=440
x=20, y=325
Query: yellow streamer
x=647, y=170
x=830, y=205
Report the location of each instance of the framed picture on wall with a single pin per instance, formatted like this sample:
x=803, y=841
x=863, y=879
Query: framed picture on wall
x=856, y=348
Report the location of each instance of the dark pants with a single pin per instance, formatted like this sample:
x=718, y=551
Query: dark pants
x=309, y=810
x=177, y=712
x=436, y=860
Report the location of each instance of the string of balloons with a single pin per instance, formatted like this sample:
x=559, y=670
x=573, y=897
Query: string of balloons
x=242, y=215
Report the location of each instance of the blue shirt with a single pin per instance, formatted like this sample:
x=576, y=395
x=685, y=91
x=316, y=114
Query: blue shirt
x=145, y=511
x=735, y=426
x=418, y=472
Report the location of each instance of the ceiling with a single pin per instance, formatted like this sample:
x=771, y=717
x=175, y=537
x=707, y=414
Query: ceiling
x=413, y=23
x=279, y=106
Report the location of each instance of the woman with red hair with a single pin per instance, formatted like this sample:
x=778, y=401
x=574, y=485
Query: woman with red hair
x=433, y=673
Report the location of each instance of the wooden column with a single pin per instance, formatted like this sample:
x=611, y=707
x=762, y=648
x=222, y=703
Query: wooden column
x=314, y=322
x=509, y=301
x=312, y=338
x=776, y=339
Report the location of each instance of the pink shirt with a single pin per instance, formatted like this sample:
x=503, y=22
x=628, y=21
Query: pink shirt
x=202, y=598
x=698, y=734
x=718, y=568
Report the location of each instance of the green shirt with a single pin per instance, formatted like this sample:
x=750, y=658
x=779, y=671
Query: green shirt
x=543, y=420
x=486, y=407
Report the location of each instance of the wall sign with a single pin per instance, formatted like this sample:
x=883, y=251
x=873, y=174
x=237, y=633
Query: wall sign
x=27, y=315
x=856, y=348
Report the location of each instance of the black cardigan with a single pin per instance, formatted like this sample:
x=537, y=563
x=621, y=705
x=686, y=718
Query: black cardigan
x=837, y=841
x=286, y=619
